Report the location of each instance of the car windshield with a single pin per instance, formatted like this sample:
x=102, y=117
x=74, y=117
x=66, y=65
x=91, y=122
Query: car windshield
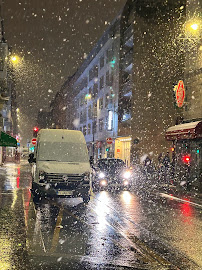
x=113, y=165
x=63, y=152
x=100, y=134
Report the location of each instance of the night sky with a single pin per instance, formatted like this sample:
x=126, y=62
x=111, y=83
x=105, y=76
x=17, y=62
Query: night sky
x=52, y=37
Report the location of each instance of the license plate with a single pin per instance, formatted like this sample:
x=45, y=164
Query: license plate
x=65, y=192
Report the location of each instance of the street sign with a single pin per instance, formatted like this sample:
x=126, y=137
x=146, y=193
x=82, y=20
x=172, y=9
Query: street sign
x=180, y=94
x=34, y=141
x=109, y=140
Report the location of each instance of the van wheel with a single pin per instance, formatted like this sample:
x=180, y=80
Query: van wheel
x=36, y=194
x=86, y=199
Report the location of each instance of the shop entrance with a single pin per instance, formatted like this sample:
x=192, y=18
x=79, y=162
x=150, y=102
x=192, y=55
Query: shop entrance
x=122, y=149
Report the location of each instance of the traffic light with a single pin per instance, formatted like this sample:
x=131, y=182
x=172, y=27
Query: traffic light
x=35, y=131
x=186, y=159
x=107, y=149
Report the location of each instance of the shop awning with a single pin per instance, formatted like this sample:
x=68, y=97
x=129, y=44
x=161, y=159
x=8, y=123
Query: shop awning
x=7, y=140
x=190, y=130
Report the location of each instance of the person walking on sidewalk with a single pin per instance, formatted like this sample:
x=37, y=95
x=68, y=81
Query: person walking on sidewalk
x=166, y=163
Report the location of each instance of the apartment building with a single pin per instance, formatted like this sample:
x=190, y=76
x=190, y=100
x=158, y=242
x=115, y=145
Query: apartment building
x=96, y=91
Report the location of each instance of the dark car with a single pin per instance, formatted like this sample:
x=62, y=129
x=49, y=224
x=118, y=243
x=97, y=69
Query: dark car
x=111, y=173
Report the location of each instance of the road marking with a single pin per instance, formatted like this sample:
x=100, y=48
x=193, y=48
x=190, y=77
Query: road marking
x=56, y=233
x=164, y=195
x=40, y=232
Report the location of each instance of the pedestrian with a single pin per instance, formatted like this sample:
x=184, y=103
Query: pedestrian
x=166, y=160
x=166, y=163
x=160, y=167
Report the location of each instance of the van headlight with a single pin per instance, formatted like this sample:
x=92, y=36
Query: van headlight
x=127, y=174
x=101, y=175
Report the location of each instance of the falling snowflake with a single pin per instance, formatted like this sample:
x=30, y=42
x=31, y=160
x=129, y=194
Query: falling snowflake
x=76, y=122
x=149, y=94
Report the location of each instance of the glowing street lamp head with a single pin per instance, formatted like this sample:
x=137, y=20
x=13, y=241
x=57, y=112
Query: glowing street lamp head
x=194, y=26
x=14, y=58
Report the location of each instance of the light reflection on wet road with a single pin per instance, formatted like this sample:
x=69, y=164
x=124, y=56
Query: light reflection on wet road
x=114, y=229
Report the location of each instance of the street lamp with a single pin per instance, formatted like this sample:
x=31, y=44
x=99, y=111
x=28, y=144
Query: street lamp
x=194, y=26
x=15, y=59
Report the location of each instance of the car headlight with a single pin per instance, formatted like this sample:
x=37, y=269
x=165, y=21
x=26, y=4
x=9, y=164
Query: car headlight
x=127, y=174
x=125, y=182
x=103, y=183
x=101, y=175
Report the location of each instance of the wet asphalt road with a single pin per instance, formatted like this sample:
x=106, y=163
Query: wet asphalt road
x=122, y=230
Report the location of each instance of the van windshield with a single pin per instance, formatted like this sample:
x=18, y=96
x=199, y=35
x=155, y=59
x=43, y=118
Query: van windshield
x=62, y=152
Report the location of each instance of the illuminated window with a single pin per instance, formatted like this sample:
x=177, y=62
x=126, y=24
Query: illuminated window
x=110, y=120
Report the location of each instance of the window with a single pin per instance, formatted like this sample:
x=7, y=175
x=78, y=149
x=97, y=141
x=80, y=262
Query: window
x=95, y=109
x=109, y=55
x=89, y=129
x=101, y=124
x=84, y=130
x=102, y=61
x=83, y=116
x=89, y=112
x=110, y=120
x=106, y=100
x=95, y=90
x=90, y=91
x=93, y=73
x=82, y=100
x=101, y=103
x=101, y=82
x=109, y=78
x=94, y=127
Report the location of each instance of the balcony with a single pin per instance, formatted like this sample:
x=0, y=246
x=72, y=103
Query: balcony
x=127, y=60
x=129, y=42
x=126, y=87
x=128, y=33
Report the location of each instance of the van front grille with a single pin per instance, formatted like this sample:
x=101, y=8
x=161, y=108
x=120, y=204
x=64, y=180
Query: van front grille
x=63, y=178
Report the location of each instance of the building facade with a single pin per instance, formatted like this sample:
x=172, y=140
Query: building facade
x=157, y=64
x=96, y=90
x=187, y=137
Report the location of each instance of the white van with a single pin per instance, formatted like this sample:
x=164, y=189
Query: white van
x=61, y=164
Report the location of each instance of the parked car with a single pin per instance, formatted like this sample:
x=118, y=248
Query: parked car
x=111, y=173
x=61, y=164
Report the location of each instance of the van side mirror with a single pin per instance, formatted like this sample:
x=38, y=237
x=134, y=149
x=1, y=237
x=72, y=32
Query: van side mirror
x=31, y=158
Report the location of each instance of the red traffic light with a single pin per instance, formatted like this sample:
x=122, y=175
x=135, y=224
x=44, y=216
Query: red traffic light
x=35, y=129
x=186, y=159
